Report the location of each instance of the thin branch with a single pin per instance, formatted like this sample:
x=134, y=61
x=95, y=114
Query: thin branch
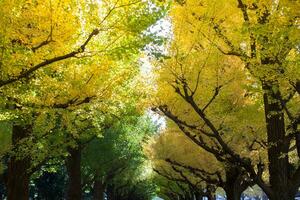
x=44, y=43
x=167, y=176
x=243, y=8
x=194, y=186
x=173, y=162
x=199, y=72
x=217, y=90
x=219, y=33
x=197, y=140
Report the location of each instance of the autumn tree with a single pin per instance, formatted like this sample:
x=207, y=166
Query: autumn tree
x=234, y=88
x=183, y=161
x=52, y=65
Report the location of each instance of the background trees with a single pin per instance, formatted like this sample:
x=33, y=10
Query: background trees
x=116, y=163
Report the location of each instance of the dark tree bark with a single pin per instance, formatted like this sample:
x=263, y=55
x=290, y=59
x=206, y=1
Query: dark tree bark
x=18, y=175
x=297, y=138
x=198, y=196
x=211, y=192
x=73, y=164
x=210, y=196
x=188, y=196
x=278, y=145
x=110, y=192
x=99, y=189
x=232, y=194
x=235, y=183
x=3, y=181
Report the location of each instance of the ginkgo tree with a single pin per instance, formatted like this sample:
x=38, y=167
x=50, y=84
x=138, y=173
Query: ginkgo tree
x=58, y=56
x=177, y=159
x=232, y=86
x=221, y=96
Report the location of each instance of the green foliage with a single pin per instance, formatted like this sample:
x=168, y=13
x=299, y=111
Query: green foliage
x=5, y=140
x=120, y=150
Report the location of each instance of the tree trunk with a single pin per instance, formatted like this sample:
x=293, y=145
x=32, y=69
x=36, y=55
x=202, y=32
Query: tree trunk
x=99, y=189
x=278, y=145
x=18, y=175
x=279, y=196
x=297, y=137
x=211, y=196
x=210, y=193
x=73, y=168
x=188, y=196
x=232, y=194
x=110, y=192
x=3, y=183
x=198, y=196
x=235, y=183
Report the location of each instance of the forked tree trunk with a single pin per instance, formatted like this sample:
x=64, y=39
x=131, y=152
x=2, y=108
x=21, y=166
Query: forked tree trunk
x=73, y=164
x=235, y=183
x=18, y=175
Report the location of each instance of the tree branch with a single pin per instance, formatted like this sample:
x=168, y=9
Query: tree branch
x=28, y=72
x=217, y=90
x=197, y=140
x=202, y=174
x=243, y=8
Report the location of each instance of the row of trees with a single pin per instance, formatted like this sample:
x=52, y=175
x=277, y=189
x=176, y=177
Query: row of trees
x=111, y=166
x=72, y=104
x=229, y=88
x=73, y=99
